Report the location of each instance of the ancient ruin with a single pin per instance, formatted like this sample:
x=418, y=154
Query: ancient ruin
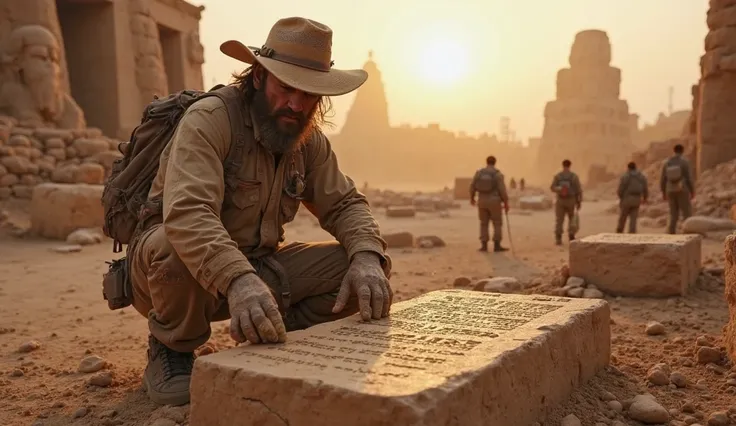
x=729, y=335
x=73, y=81
x=645, y=265
x=587, y=122
x=716, y=126
x=414, y=156
x=446, y=357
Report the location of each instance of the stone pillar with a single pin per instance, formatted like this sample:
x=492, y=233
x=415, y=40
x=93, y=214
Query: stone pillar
x=716, y=138
x=730, y=331
x=150, y=71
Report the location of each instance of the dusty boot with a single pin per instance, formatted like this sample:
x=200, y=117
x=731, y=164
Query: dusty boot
x=497, y=247
x=571, y=237
x=167, y=374
x=558, y=240
x=483, y=246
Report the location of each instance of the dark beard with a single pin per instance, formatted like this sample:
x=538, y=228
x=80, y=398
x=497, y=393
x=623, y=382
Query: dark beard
x=276, y=139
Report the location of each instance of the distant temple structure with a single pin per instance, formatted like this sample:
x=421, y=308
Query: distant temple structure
x=587, y=123
x=369, y=149
x=112, y=57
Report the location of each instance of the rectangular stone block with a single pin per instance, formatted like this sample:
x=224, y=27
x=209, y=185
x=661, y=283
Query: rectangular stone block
x=449, y=357
x=729, y=333
x=58, y=209
x=646, y=265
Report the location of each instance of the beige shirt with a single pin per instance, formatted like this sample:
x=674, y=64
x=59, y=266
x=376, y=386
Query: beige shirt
x=213, y=232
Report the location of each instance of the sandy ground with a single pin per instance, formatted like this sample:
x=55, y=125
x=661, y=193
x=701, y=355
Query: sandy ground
x=55, y=299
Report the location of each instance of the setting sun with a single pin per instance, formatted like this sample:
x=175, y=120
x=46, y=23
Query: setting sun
x=443, y=61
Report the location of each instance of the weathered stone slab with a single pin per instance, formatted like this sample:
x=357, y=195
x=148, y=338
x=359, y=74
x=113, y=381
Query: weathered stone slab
x=449, y=357
x=58, y=209
x=729, y=336
x=646, y=265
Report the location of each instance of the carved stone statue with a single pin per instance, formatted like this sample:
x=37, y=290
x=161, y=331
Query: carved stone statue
x=30, y=84
x=196, y=50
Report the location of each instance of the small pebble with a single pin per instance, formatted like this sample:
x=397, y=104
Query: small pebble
x=570, y=420
x=103, y=379
x=29, y=346
x=654, y=328
x=80, y=412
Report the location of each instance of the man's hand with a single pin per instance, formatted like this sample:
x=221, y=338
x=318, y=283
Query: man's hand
x=254, y=312
x=472, y=201
x=366, y=278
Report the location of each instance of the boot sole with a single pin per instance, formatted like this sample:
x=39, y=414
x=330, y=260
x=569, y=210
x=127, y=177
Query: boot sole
x=165, y=398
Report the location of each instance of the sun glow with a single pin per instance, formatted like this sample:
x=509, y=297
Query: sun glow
x=444, y=61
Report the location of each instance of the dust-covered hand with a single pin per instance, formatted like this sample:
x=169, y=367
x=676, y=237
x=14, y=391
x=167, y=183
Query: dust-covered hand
x=366, y=279
x=254, y=312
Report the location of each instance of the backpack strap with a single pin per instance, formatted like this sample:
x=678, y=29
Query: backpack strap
x=232, y=98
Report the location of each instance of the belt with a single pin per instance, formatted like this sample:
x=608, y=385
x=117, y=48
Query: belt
x=278, y=269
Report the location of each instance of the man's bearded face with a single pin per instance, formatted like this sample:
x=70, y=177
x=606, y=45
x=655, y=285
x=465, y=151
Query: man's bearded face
x=41, y=74
x=286, y=117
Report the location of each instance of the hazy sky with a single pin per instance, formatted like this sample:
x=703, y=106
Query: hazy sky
x=492, y=58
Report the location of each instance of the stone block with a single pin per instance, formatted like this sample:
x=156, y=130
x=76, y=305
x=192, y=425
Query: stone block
x=57, y=209
x=729, y=337
x=461, y=190
x=646, y=265
x=449, y=357
x=400, y=211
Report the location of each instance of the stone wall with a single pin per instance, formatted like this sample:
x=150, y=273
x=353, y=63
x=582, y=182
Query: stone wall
x=587, y=123
x=716, y=123
x=149, y=65
x=30, y=156
x=730, y=293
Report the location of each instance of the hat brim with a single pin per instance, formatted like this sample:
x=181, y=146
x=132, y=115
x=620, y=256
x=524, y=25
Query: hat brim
x=322, y=83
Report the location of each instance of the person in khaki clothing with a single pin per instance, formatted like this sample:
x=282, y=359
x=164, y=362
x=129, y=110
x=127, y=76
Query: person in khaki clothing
x=214, y=255
x=677, y=187
x=493, y=199
x=632, y=191
x=566, y=185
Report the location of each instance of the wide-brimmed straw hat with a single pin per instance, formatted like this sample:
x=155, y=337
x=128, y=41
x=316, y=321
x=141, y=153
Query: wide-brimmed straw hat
x=298, y=52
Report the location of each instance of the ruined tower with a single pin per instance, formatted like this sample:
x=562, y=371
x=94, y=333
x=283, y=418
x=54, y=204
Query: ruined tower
x=369, y=111
x=588, y=123
x=716, y=126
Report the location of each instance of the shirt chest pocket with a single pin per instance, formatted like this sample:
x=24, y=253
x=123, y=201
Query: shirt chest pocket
x=246, y=201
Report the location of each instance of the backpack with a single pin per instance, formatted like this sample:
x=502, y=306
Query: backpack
x=565, y=185
x=673, y=173
x=125, y=194
x=634, y=185
x=486, y=181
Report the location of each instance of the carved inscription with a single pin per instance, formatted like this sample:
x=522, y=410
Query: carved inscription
x=432, y=333
x=463, y=312
x=637, y=239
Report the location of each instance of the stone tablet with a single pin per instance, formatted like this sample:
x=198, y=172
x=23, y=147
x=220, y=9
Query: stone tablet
x=647, y=265
x=449, y=357
x=58, y=209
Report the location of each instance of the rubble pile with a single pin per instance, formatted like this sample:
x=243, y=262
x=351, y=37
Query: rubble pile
x=31, y=156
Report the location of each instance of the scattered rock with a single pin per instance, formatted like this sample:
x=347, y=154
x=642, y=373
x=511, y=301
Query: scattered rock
x=719, y=418
x=17, y=372
x=593, y=293
x=29, y=346
x=70, y=248
x=84, y=237
x=575, y=292
x=461, y=282
x=658, y=375
x=498, y=285
x=92, y=364
x=615, y=406
x=646, y=409
x=678, y=379
x=430, y=241
x=654, y=328
x=103, y=379
x=707, y=354
x=575, y=282
x=399, y=240
x=80, y=412
x=571, y=420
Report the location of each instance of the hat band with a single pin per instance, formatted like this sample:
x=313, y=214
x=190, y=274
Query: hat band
x=268, y=52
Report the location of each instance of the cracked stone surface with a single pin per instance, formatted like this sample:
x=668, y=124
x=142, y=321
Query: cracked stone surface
x=644, y=265
x=449, y=357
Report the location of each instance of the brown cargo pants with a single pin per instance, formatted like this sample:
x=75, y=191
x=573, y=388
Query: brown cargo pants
x=180, y=310
x=487, y=213
x=628, y=209
x=679, y=203
x=564, y=207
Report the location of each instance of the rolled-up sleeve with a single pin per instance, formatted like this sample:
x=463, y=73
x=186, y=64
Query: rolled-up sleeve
x=341, y=209
x=193, y=194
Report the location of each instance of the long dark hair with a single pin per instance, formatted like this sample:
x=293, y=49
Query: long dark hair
x=244, y=81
